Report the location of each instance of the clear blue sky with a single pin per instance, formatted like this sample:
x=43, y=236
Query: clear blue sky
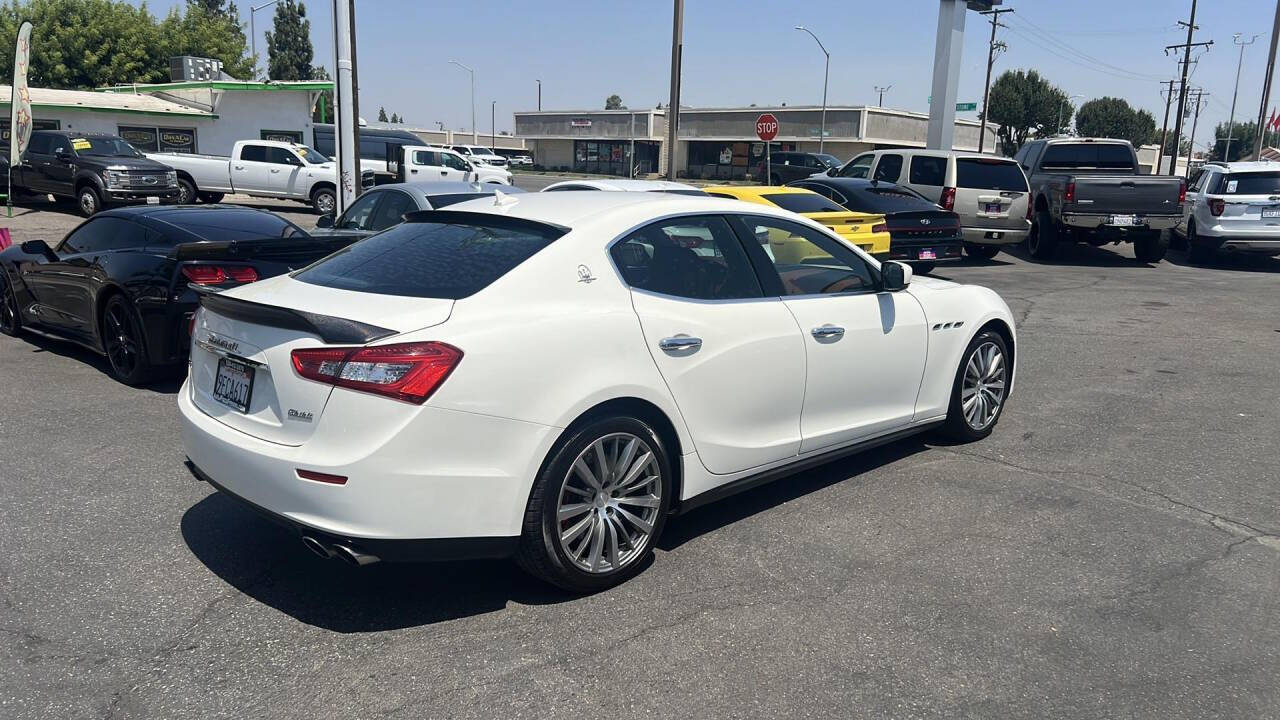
x=743, y=52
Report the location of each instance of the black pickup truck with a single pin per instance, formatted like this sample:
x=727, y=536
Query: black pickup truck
x=1091, y=190
x=95, y=169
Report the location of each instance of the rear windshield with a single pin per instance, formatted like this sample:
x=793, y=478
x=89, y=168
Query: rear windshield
x=1261, y=183
x=990, y=175
x=886, y=199
x=439, y=201
x=1104, y=156
x=802, y=202
x=230, y=223
x=448, y=260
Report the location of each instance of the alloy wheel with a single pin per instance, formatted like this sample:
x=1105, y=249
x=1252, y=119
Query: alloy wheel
x=608, y=503
x=88, y=203
x=982, y=391
x=122, y=347
x=325, y=203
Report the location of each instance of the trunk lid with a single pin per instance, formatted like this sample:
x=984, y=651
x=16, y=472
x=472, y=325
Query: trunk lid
x=1126, y=194
x=244, y=338
x=923, y=225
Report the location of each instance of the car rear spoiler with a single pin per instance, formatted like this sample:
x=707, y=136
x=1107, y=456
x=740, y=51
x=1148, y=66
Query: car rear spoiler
x=265, y=248
x=332, y=330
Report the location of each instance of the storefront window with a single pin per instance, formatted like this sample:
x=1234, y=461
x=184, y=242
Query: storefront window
x=159, y=139
x=605, y=157
x=293, y=136
x=36, y=124
x=713, y=160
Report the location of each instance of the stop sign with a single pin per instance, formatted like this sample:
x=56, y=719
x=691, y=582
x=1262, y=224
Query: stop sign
x=767, y=127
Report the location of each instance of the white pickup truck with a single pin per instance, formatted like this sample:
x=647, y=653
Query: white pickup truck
x=422, y=162
x=261, y=168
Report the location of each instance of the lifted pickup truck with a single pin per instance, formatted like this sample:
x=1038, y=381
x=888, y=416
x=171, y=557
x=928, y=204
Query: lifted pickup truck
x=1090, y=190
x=95, y=169
x=261, y=168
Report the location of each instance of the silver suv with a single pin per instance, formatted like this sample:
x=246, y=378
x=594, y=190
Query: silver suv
x=989, y=193
x=1233, y=207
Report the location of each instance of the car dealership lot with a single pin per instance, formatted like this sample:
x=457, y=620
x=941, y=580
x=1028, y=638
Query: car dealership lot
x=1112, y=550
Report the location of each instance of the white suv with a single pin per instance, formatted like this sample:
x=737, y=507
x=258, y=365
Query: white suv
x=480, y=155
x=1233, y=207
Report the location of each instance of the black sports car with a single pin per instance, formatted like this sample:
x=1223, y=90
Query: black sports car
x=920, y=232
x=119, y=283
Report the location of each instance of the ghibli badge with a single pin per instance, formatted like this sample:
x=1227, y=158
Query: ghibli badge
x=228, y=345
x=299, y=415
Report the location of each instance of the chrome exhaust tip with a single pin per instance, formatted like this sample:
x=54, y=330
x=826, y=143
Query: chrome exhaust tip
x=353, y=556
x=317, y=547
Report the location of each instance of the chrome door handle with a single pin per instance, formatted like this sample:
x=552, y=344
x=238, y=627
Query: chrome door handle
x=827, y=331
x=680, y=342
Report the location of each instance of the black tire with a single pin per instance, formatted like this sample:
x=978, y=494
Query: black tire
x=213, y=198
x=88, y=201
x=1197, y=252
x=10, y=317
x=1042, y=241
x=187, y=193
x=957, y=427
x=124, y=343
x=985, y=252
x=1150, y=247
x=324, y=201
x=541, y=552
x=923, y=268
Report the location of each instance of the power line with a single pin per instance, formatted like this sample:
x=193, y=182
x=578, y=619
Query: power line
x=1075, y=61
x=1191, y=27
x=1049, y=37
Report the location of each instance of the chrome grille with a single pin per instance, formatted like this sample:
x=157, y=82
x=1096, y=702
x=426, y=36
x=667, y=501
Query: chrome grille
x=143, y=181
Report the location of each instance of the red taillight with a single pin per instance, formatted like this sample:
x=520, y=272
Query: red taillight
x=1217, y=206
x=321, y=477
x=1070, y=195
x=879, y=228
x=217, y=275
x=1029, y=205
x=408, y=371
x=1182, y=192
x=948, y=198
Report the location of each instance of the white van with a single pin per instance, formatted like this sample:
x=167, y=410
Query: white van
x=425, y=162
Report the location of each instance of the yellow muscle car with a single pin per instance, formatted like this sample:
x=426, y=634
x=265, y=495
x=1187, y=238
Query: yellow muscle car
x=865, y=230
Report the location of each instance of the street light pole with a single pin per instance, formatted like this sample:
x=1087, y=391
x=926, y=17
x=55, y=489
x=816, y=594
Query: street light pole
x=881, y=91
x=253, y=10
x=475, y=137
x=1231, y=122
x=1266, y=85
x=826, y=74
x=539, y=96
x=493, y=125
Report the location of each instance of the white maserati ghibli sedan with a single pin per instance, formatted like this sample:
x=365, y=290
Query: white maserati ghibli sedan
x=552, y=376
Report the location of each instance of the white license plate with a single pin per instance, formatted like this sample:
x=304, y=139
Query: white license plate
x=153, y=200
x=1271, y=212
x=928, y=255
x=993, y=208
x=1122, y=220
x=233, y=385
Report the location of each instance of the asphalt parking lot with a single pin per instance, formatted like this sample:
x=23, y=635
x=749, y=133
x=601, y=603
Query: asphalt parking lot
x=1112, y=550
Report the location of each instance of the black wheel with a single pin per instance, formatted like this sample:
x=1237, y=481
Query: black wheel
x=323, y=201
x=88, y=201
x=10, y=318
x=986, y=252
x=186, y=192
x=980, y=389
x=212, y=198
x=923, y=268
x=1042, y=241
x=598, y=505
x=122, y=339
x=1150, y=247
x=1197, y=252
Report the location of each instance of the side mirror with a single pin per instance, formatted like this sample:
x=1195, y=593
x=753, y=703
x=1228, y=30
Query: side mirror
x=38, y=247
x=325, y=221
x=895, y=276
x=833, y=172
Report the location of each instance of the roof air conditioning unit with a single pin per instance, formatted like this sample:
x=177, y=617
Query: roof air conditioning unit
x=186, y=68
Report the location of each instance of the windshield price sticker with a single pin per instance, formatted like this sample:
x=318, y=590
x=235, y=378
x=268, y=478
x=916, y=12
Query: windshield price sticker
x=80, y=144
x=1231, y=185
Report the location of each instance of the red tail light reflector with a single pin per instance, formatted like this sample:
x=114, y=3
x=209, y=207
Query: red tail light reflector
x=243, y=274
x=410, y=372
x=948, y=198
x=1182, y=192
x=1070, y=195
x=1029, y=206
x=321, y=477
x=880, y=227
x=217, y=274
x=1217, y=206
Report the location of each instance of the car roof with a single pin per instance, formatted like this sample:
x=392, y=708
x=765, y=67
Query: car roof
x=849, y=183
x=756, y=193
x=427, y=188
x=1250, y=166
x=569, y=209
x=187, y=218
x=624, y=184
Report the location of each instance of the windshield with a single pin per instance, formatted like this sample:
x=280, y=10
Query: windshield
x=1259, y=183
x=310, y=155
x=830, y=161
x=104, y=147
x=984, y=174
x=887, y=199
x=1101, y=156
x=806, y=202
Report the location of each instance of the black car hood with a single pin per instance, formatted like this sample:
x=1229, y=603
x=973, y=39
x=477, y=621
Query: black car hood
x=124, y=163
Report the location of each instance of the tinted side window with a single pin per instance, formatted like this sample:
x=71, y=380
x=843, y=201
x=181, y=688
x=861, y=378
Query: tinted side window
x=1032, y=155
x=282, y=156
x=324, y=143
x=889, y=169
x=102, y=234
x=690, y=257
x=253, y=153
x=858, y=167
x=425, y=157
x=928, y=170
x=357, y=216
x=373, y=149
x=1087, y=155
x=392, y=209
x=40, y=144
x=453, y=161
x=1197, y=177
x=984, y=174
x=808, y=261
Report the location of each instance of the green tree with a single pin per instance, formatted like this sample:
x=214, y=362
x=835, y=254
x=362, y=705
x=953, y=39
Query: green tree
x=1242, y=138
x=1023, y=102
x=1111, y=117
x=614, y=102
x=213, y=7
x=85, y=43
x=382, y=114
x=395, y=119
x=208, y=33
x=289, y=50
x=323, y=110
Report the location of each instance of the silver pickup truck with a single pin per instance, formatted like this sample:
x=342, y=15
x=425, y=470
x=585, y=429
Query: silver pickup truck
x=1090, y=190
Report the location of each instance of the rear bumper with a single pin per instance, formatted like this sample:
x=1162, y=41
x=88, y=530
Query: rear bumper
x=1096, y=221
x=1245, y=244
x=995, y=235
x=443, y=476
x=944, y=250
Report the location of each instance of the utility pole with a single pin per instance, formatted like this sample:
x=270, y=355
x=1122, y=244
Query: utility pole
x=1164, y=129
x=1200, y=94
x=345, y=116
x=493, y=124
x=1266, y=84
x=882, y=91
x=992, y=48
x=475, y=138
x=1182, y=92
x=673, y=107
x=1231, y=121
x=539, y=96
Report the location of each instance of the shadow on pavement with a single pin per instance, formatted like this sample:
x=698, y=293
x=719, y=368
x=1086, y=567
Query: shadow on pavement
x=1240, y=262
x=1081, y=255
x=168, y=382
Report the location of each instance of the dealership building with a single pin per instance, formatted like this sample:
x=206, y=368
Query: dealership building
x=718, y=143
